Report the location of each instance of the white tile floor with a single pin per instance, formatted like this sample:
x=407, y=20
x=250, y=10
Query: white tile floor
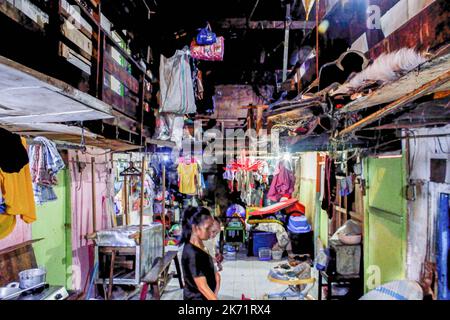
x=245, y=275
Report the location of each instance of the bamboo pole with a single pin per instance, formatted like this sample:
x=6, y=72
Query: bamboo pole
x=163, y=213
x=94, y=208
x=125, y=201
x=317, y=38
x=141, y=215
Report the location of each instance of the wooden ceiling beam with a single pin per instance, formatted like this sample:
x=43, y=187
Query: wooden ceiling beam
x=242, y=23
x=397, y=104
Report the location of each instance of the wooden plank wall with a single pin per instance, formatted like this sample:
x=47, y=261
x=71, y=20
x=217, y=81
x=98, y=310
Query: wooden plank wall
x=14, y=260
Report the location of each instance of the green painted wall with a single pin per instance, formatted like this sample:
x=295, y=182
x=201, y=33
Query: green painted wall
x=323, y=224
x=53, y=224
x=307, y=195
x=311, y=198
x=384, y=221
x=308, y=198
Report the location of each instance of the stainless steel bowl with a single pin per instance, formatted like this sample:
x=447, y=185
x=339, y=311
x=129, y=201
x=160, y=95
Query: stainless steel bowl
x=32, y=277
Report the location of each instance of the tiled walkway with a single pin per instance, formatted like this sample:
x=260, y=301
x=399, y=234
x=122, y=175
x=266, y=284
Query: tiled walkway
x=245, y=275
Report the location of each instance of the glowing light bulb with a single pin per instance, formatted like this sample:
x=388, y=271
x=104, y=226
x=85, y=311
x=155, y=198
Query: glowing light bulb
x=323, y=26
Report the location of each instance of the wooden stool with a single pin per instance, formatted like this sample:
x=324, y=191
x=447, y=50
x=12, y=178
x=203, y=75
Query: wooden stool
x=159, y=276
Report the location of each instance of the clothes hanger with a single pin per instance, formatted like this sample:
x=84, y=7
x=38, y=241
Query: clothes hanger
x=130, y=171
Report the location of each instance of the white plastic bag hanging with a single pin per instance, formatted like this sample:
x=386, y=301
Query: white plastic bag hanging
x=177, y=90
x=175, y=124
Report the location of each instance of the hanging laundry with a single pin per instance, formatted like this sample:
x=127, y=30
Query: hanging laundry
x=329, y=192
x=177, y=92
x=2, y=202
x=282, y=184
x=187, y=176
x=16, y=155
x=346, y=186
x=17, y=194
x=45, y=165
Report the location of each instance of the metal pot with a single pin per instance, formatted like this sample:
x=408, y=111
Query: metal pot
x=32, y=277
x=9, y=290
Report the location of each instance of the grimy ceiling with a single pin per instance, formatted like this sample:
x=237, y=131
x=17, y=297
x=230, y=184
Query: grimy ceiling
x=253, y=50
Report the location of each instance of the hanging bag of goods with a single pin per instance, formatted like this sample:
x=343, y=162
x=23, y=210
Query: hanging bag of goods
x=206, y=36
x=177, y=90
x=213, y=52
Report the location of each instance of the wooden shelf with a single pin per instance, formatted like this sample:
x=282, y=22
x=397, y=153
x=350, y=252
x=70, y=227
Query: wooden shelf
x=18, y=246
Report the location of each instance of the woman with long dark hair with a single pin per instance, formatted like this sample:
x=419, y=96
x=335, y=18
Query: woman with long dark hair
x=200, y=278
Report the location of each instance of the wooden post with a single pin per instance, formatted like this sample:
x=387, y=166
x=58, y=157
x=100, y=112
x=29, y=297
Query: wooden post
x=111, y=274
x=125, y=201
x=317, y=38
x=94, y=209
x=141, y=105
x=141, y=211
x=259, y=118
x=286, y=41
x=163, y=213
x=99, y=65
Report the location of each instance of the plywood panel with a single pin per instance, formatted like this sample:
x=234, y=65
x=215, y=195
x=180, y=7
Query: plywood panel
x=123, y=104
x=74, y=58
x=73, y=34
x=121, y=74
x=30, y=96
x=14, y=261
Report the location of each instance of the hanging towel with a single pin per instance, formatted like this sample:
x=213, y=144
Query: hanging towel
x=45, y=165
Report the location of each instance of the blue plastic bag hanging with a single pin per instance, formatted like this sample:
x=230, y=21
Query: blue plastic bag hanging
x=206, y=36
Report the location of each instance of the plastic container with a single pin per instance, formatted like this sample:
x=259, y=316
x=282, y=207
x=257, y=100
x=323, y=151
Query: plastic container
x=265, y=254
x=277, y=254
x=229, y=253
x=263, y=240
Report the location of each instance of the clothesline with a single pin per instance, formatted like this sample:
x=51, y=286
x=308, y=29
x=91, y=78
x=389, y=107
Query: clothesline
x=58, y=145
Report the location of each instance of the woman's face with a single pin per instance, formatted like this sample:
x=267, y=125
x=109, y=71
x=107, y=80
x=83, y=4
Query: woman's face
x=215, y=229
x=203, y=230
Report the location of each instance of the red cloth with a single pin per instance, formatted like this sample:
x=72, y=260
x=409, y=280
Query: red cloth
x=282, y=184
x=297, y=207
x=279, y=206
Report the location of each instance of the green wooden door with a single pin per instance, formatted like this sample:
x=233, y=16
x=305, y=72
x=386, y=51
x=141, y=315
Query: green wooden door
x=385, y=221
x=53, y=224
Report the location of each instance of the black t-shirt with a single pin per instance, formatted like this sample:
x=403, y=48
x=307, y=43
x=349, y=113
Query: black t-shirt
x=196, y=263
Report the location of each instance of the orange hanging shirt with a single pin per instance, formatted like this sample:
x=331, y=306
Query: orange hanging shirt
x=18, y=195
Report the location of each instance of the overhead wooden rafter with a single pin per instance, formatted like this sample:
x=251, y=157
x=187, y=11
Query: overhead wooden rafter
x=242, y=23
x=411, y=81
x=426, y=88
x=69, y=134
x=430, y=113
